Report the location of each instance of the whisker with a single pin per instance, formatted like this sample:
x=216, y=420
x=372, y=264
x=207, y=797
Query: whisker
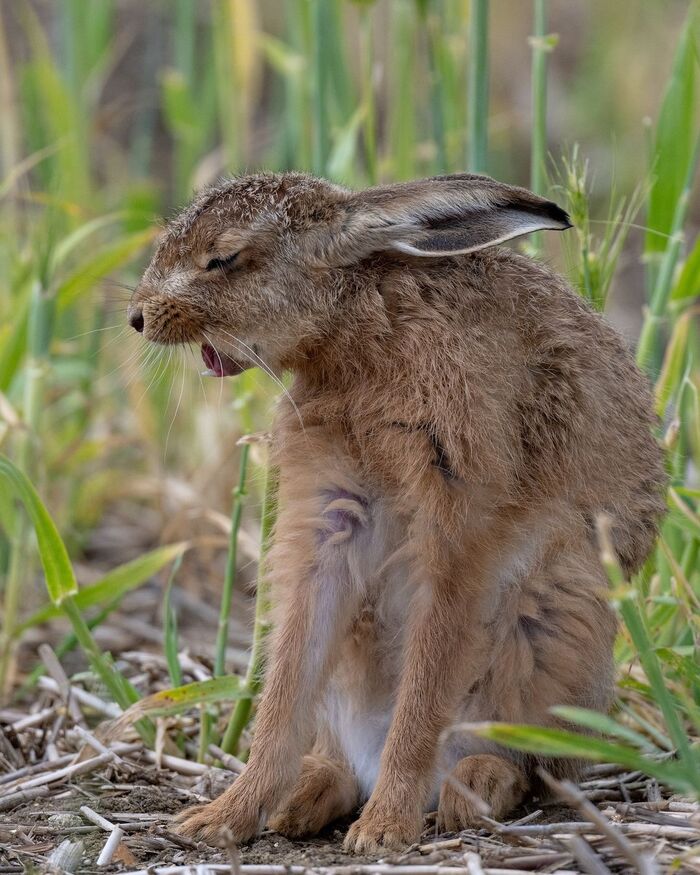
x=94, y=331
x=177, y=406
x=160, y=371
x=199, y=372
x=112, y=340
x=110, y=281
x=146, y=358
x=221, y=364
x=268, y=370
x=134, y=355
x=261, y=363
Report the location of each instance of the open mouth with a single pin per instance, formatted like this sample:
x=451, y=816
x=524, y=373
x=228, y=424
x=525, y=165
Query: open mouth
x=219, y=364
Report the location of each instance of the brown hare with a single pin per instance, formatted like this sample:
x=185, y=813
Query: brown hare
x=458, y=419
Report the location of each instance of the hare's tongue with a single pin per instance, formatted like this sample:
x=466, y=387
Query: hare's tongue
x=218, y=363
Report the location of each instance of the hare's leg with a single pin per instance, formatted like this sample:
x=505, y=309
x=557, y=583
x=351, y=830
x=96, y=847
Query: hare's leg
x=325, y=790
x=315, y=569
x=551, y=644
x=438, y=640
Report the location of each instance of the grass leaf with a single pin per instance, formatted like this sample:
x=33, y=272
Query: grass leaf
x=113, y=585
x=58, y=571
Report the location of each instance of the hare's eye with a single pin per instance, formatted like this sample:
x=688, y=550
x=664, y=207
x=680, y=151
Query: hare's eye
x=222, y=262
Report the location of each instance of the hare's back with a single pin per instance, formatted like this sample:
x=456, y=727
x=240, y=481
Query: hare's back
x=584, y=411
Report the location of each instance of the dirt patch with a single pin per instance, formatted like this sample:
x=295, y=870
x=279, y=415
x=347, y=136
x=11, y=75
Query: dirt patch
x=43, y=753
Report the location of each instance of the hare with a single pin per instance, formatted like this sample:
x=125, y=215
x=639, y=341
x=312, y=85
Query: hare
x=458, y=419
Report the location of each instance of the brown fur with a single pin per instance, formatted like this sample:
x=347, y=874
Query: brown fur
x=455, y=425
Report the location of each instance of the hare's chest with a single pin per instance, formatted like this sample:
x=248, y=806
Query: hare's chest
x=359, y=701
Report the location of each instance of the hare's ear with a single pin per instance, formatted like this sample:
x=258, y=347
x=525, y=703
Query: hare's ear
x=445, y=215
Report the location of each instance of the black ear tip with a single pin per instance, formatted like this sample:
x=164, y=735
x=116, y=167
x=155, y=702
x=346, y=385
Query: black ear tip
x=560, y=216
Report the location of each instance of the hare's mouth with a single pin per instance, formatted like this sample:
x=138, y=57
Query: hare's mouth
x=219, y=364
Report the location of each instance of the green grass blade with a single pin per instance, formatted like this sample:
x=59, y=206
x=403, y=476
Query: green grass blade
x=108, y=259
x=113, y=585
x=478, y=105
x=562, y=743
x=321, y=144
x=62, y=585
x=256, y=667
x=170, y=635
x=58, y=571
x=666, y=702
x=687, y=286
x=227, y=688
x=675, y=138
x=605, y=725
x=231, y=563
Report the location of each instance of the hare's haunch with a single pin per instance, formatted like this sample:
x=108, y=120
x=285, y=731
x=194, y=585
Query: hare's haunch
x=459, y=420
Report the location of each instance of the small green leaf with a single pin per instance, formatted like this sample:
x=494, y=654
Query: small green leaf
x=170, y=636
x=114, y=584
x=675, y=135
x=561, y=743
x=60, y=579
x=688, y=283
x=226, y=688
x=605, y=725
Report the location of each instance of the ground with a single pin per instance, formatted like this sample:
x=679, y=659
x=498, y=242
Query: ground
x=59, y=774
x=643, y=831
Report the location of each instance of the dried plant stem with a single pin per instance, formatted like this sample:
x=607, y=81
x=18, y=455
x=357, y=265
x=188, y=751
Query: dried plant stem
x=567, y=791
x=110, y=847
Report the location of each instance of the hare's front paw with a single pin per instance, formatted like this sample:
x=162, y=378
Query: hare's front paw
x=383, y=827
x=236, y=817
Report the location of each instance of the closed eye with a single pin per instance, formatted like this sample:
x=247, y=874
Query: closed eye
x=222, y=262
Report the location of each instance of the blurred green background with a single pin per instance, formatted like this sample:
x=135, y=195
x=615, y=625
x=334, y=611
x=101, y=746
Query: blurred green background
x=114, y=111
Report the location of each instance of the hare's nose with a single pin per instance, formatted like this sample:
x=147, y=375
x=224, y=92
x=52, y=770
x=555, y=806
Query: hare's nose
x=136, y=319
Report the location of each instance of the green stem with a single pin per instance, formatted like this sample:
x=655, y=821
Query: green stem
x=11, y=599
x=321, y=140
x=227, y=92
x=120, y=689
x=256, y=666
x=649, y=346
x=402, y=108
x=66, y=644
x=436, y=101
x=39, y=334
x=370, y=122
x=539, y=99
x=478, y=106
x=231, y=565
x=636, y=625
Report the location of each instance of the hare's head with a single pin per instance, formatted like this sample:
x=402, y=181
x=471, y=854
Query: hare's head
x=253, y=266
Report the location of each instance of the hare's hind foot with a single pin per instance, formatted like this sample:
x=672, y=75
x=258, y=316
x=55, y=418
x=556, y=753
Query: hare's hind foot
x=480, y=784
x=325, y=791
